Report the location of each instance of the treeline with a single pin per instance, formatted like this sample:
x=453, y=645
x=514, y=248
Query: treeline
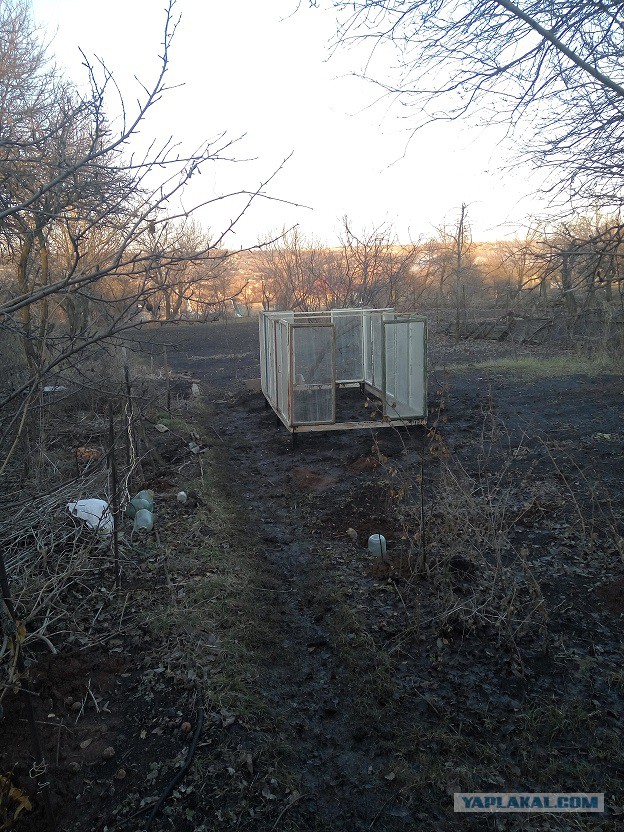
x=571, y=266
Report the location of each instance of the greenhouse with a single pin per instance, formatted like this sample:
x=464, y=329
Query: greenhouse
x=308, y=358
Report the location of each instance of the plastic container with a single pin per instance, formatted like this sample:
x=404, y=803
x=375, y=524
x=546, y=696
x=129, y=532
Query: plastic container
x=144, y=499
x=377, y=545
x=143, y=521
x=136, y=505
x=148, y=496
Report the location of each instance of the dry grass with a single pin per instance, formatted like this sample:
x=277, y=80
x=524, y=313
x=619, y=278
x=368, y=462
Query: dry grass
x=219, y=600
x=559, y=366
x=462, y=564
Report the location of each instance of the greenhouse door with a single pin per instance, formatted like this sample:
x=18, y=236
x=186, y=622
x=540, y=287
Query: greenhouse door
x=405, y=368
x=313, y=374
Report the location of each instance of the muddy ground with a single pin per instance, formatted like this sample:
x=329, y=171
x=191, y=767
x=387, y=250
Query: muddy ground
x=344, y=691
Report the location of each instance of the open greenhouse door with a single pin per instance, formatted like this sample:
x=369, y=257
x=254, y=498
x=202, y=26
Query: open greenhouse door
x=270, y=356
x=404, y=389
x=373, y=334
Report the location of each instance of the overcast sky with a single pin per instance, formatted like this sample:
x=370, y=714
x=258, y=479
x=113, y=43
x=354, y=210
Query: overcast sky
x=264, y=70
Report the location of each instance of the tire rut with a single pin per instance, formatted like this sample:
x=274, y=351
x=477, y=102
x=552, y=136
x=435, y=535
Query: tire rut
x=338, y=748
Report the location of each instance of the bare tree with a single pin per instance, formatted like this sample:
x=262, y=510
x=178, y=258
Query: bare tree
x=462, y=244
x=552, y=69
x=183, y=261
x=369, y=268
x=82, y=217
x=375, y=268
x=513, y=270
x=434, y=265
x=292, y=270
x=581, y=261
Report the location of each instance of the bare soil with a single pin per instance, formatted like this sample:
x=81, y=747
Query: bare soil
x=378, y=690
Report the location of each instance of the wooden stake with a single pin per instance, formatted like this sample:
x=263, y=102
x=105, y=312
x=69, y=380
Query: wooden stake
x=129, y=427
x=423, y=543
x=112, y=463
x=167, y=374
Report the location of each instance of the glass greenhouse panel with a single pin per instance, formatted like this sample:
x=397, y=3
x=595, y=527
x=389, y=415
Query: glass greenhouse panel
x=405, y=369
x=377, y=351
x=313, y=375
x=262, y=323
x=270, y=360
x=374, y=346
x=282, y=345
x=367, y=329
x=349, y=346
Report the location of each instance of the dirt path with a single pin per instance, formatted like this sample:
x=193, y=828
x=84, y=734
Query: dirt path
x=327, y=701
x=376, y=718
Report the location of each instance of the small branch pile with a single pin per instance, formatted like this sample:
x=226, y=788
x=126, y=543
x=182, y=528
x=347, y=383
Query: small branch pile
x=53, y=565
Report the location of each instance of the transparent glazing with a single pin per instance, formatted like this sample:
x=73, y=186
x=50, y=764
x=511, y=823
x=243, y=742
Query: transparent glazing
x=349, y=346
x=313, y=375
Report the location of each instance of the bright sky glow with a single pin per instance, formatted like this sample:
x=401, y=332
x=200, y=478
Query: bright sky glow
x=255, y=68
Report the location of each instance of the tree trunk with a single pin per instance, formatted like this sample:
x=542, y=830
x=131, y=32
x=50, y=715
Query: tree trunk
x=22, y=282
x=566, y=282
x=458, y=275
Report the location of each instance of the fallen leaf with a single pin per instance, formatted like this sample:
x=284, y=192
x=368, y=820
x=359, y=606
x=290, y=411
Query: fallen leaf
x=16, y=795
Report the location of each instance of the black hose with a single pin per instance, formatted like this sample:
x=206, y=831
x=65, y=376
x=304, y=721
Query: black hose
x=187, y=763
